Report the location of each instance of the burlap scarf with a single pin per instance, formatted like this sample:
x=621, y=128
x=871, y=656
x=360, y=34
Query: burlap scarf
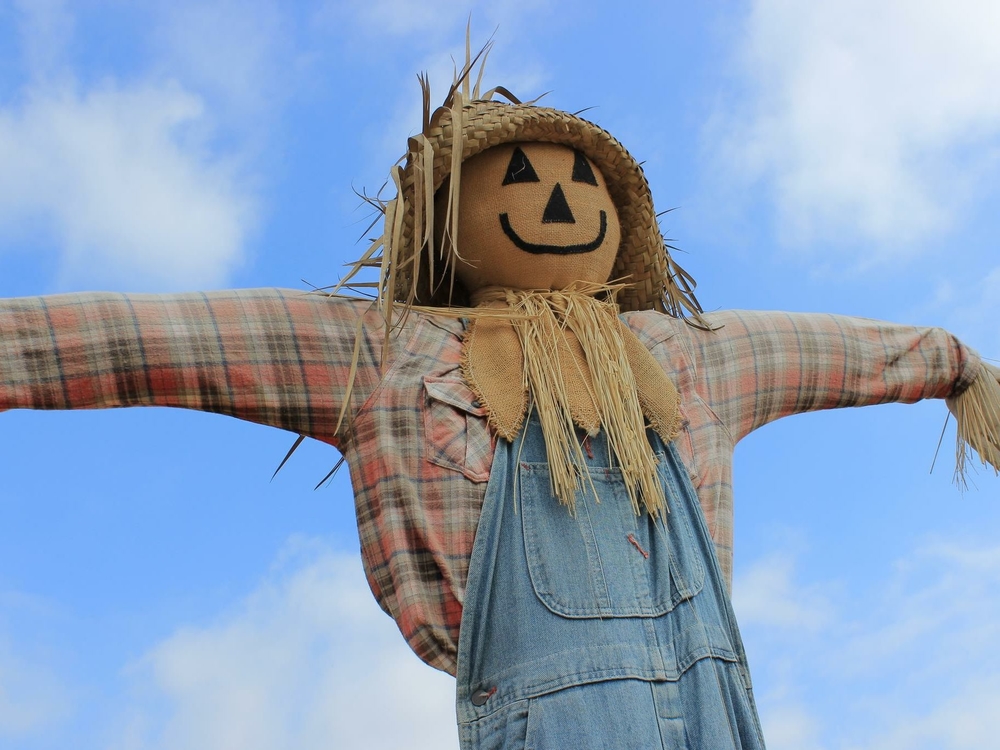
x=567, y=354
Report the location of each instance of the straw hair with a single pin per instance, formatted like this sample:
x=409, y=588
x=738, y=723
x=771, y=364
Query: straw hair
x=417, y=268
x=977, y=411
x=596, y=389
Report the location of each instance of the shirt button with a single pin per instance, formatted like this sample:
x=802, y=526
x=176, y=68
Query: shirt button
x=481, y=696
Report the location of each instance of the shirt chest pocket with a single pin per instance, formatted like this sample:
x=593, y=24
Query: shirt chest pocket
x=455, y=428
x=607, y=561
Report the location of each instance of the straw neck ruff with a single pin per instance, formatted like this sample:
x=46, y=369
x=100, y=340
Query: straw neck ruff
x=568, y=355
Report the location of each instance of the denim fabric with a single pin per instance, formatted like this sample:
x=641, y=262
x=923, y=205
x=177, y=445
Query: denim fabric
x=602, y=630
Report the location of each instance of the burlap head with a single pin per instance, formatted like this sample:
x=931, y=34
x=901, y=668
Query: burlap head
x=655, y=281
x=413, y=270
x=531, y=216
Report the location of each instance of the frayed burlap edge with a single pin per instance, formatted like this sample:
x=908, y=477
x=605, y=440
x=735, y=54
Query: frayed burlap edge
x=623, y=385
x=506, y=422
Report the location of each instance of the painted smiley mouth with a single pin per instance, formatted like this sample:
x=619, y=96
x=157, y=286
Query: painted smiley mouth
x=540, y=249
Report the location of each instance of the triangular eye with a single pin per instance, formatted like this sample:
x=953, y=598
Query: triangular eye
x=520, y=169
x=582, y=171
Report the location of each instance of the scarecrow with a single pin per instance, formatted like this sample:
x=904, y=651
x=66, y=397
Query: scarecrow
x=538, y=417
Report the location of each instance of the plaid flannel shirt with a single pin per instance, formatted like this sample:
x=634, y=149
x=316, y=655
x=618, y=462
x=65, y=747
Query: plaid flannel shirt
x=416, y=441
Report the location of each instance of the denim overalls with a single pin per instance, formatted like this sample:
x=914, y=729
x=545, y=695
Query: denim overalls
x=603, y=630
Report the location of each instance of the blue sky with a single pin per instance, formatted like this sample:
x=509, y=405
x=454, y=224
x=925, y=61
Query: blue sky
x=822, y=157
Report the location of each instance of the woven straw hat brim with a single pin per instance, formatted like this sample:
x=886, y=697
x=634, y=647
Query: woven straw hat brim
x=642, y=257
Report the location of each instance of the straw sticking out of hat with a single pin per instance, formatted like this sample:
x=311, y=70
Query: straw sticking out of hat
x=415, y=269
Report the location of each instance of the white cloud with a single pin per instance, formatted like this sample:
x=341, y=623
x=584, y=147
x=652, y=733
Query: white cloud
x=791, y=727
x=32, y=698
x=940, y=609
x=110, y=176
x=908, y=662
x=238, y=53
x=766, y=595
x=969, y=720
x=307, y=661
x=124, y=176
x=869, y=121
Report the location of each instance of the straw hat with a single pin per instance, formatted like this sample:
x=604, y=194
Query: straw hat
x=416, y=271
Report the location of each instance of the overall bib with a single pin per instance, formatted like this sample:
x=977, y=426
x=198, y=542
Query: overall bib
x=604, y=630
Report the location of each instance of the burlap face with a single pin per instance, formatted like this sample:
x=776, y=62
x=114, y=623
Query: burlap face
x=533, y=216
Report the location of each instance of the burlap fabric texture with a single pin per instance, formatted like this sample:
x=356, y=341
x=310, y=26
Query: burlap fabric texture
x=532, y=216
x=569, y=355
x=415, y=270
x=655, y=281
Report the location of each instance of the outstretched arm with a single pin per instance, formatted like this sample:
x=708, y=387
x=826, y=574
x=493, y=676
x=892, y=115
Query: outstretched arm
x=277, y=357
x=775, y=364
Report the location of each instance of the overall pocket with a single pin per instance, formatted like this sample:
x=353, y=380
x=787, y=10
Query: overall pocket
x=607, y=561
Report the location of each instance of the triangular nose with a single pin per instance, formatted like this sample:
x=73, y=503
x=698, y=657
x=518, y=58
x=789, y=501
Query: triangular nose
x=557, y=209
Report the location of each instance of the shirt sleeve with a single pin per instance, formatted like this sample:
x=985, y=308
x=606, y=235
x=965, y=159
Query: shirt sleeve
x=759, y=366
x=277, y=357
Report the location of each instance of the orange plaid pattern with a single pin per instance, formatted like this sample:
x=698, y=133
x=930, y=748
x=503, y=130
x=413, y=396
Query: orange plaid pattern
x=416, y=441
